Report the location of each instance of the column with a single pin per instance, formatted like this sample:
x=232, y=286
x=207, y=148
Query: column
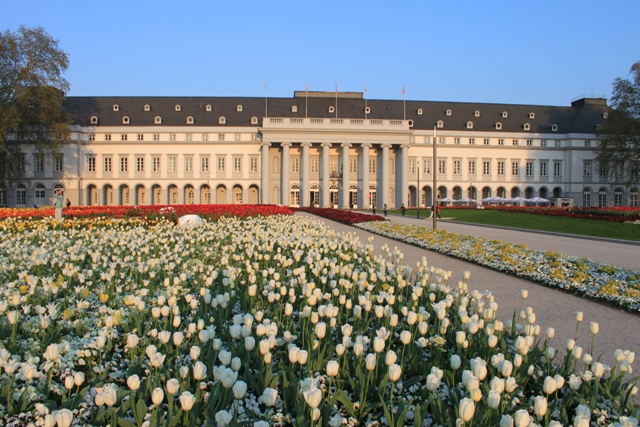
x=264, y=172
x=285, y=186
x=325, y=184
x=404, y=176
x=305, y=198
x=383, y=193
x=346, y=181
x=363, y=196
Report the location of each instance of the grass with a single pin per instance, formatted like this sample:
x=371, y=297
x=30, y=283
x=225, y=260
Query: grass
x=581, y=227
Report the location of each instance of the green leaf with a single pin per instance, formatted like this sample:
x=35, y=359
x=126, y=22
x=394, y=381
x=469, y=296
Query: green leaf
x=125, y=423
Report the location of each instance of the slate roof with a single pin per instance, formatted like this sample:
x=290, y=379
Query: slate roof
x=582, y=117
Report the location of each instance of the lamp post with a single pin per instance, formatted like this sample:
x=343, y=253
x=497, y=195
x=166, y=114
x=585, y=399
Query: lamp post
x=418, y=192
x=434, y=193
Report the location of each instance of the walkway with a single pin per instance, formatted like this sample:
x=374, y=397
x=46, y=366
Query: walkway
x=553, y=308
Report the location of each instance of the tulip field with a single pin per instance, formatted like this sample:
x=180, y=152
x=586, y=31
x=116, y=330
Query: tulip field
x=255, y=320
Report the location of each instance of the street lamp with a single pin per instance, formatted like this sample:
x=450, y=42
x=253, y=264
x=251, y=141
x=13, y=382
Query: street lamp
x=418, y=192
x=434, y=169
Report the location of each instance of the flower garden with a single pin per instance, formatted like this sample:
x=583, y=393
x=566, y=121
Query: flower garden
x=271, y=320
x=578, y=275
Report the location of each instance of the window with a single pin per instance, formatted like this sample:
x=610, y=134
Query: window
x=140, y=137
x=139, y=164
x=188, y=164
x=501, y=142
x=3, y=195
x=187, y=137
x=498, y=126
x=515, y=142
x=486, y=167
x=221, y=167
x=124, y=164
x=189, y=120
x=107, y=164
x=204, y=164
x=554, y=128
x=440, y=124
x=633, y=198
x=587, y=143
x=527, y=126
x=557, y=169
x=442, y=167
x=157, y=120
x=21, y=195
x=529, y=168
x=58, y=163
x=21, y=163
x=532, y=115
x=172, y=137
x=505, y=114
x=448, y=112
x=602, y=170
x=294, y=108
x=333, y=165
x=372, y=165
x=515, y=168
x=469, y=125
x=156, y=164
x=205, y=137
x=557, y=143
x=419, y=111
x=92, y=137
x=442, y=140
x=543, y=143
x=221, y=137
x=602, y=198
x=254, y=120
x=91, y=163
x=125, y=120
x=116, y=107
x=412, y=166
x=222, y=120
x=456, y=140
x=353, y=165
x=472, y=141
x=237, y=164
x=156, y=137
x=107, y=137
x=529, y=142
x=332, y=109
x=586, y=169
x=147, y=107
x=94, y=120
x=486, y=141
x=123, y=137
x=295, y=195
x=208, y=108
x=543, y=169
x=295, y=165
x=456, y=167
x=426, y=166
x=472, y=167
x=500, y=167
x=178, y=108
x=237, y=137
x=172, y=164
x=38, y=163
x=586, y=198
x=476, y=113
x=238, y=107
x=253, y=164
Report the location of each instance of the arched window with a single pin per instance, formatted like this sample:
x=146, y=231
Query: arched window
x=254, y=120
x=147, y=107
x=238, y=107
x=448, y=112
x=295, y=195
x=419, y=111
x=586, y=197
x=21, y=195
x=469, y=125
x=157, y=120
x=125, y=120
x=94, y=120
x=476, y=113
x=440, y=124
x=39, y=195
x=498, y=126
x=505, y=114
x=618, y=196
x=208, y=108
x=527, y=126
x=189, y=120
x=294, y=108
x=222, y=120
x=116, y=107
x=178, y=107
x=602, y=198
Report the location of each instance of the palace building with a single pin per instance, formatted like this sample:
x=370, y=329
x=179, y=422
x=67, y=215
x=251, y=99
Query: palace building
x=319, y=148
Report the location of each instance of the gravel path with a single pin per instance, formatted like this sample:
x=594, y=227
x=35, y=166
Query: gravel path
x=553, y=308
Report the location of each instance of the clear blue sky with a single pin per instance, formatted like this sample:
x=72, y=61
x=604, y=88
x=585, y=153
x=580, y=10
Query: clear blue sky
x=515, y=51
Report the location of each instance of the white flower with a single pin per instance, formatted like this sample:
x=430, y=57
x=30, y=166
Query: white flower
x=187, y=400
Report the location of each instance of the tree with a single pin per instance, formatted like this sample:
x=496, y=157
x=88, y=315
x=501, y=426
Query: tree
x=32, y=91
x=619, y=135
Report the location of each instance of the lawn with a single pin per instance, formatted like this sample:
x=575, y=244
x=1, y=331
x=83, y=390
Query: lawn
x=583, y=227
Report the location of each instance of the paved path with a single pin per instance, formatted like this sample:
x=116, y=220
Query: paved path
x=553, y=308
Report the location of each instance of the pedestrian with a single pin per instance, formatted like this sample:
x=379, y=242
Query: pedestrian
x=68, y=203
x=403, y=209
x=58, y=199
x=374, y=209
x=438, y=212
x=431, y=209
x=384, y=209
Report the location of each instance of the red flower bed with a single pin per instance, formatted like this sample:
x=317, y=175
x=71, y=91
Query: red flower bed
x=155, y=211
x=345, y=217
x=617, y=214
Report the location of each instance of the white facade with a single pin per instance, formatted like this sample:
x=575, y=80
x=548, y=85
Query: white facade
x=324, y=161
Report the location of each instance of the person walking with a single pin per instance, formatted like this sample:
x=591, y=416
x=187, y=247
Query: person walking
x=374, y=209
x=431, y=209
x=403, y=209
x=384, y=209
x=58, y=200
x=438, y=211
x=68, y=203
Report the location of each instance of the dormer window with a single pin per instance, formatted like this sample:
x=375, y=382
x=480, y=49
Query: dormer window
x=605, y=115
x=125, y=120
x=222, y=120
x=157, y=120
x=367, y=110
x=254, y=120
x=94, y=120
x=554, y=128
x=294, y=108
x=504, y=115
x=527, y=126
x=116, y=107
x=238, y=107
x=208, y=108
x=147, y=107
x=476, y=113
x=469, y=125
x=448, y=112
x=532, y=115
x=178, y=107
x=498, y=126
x=440, y=124
x=419, y=111
x=410, y=123
x=189, y=120
x=332, y=109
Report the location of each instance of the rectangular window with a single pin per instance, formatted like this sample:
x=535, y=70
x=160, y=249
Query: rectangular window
x=372, y=165
x=253, y=164
x=501, y=168
x=501, y=142
x=586, y=199
x=529, y=168
x=602, y=170
x=172, y=164
x=456, y=140
x=543, y=143
x=188, y=164
x=412, y=166
x=515, y=168
x=3, y=196
x=586, y=170
x=557, y=169
x=38, y=163
x=514, y=142
x=486, y=141
x=156, y=137
x=295, y=165
x=221, y=137
x=21, y=163
x=91, y=163
x=353, y=165
x=486, y=167
x=237, y=164
x=633, y=199
x=442, y=167
x=204, y=164
x=156, y=164
x=557, y=143
x=139, y=164
x=472, y=167
x=529, y=142
x=58, y=163
x=472, y=141
x=333, y=165
x=442, y=140
x=221, y=167
x=107, y=164
x=123, y=137
x=456, y=167
x=124, y=164
x=107, y=137
x=172, y=137
x=187, y=137
x=140, y=137
x=205, y=136
x=92, y=137
x=313, y=167
x=238, y=137
x=543, y=169
x=587, y=143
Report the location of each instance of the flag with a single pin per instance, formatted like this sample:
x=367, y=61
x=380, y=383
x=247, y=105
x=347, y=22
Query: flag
x=307, y=86
x=336, y=86
x=366, y=88
x=266, y=88
x=403, y=90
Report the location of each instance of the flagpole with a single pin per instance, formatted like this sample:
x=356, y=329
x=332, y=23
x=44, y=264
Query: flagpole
x=366, y=89
x=306, y=102
x=434, y=170
x=336, y=100
x=266, y=95
x=405, y=102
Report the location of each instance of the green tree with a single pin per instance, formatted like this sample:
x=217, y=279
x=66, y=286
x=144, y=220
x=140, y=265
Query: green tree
x=32, y=91
x=619, y=135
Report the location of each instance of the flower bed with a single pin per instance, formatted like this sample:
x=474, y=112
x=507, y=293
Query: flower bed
x=149, y=211
x=619, y=214
x=343, y=216
x=268, y=321
x=579, y=275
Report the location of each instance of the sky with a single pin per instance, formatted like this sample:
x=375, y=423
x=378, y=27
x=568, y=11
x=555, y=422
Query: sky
x=517, y=51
